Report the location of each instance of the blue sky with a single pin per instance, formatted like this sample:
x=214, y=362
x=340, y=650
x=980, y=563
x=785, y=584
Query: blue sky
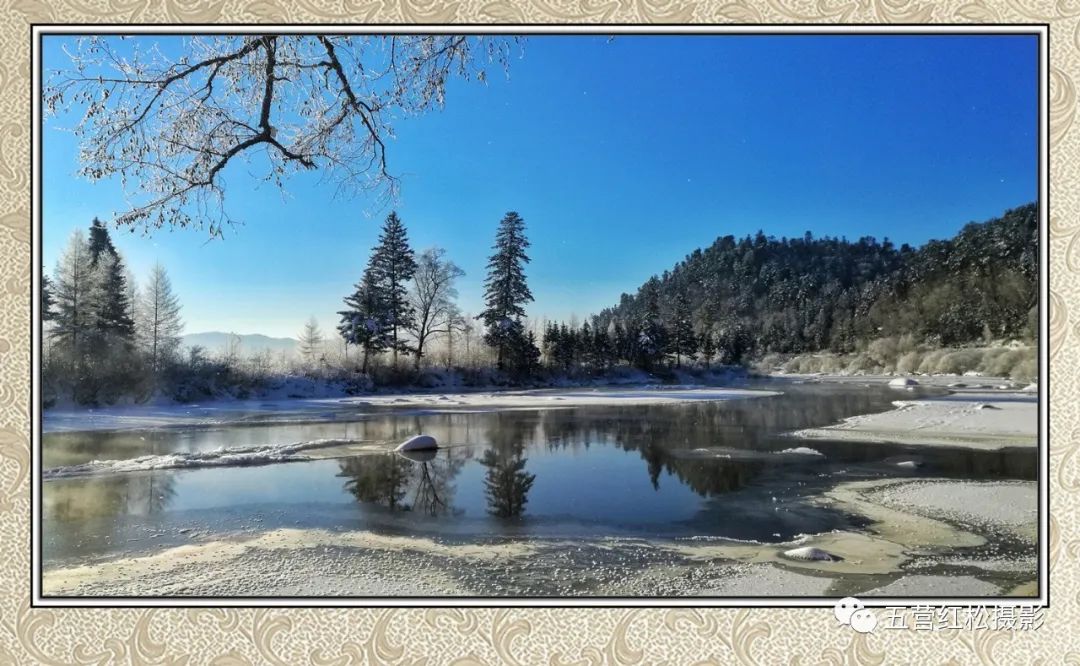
x=623, y=156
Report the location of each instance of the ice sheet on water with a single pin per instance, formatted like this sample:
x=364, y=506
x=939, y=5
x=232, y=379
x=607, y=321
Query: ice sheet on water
x=221, y=457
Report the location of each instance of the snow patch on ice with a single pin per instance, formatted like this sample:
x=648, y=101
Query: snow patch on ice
x=802, y=451
x=232, y=457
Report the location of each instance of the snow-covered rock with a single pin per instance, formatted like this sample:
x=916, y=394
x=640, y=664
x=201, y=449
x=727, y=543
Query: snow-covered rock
x=418, y=443
x=902, y=382
x=811, y=554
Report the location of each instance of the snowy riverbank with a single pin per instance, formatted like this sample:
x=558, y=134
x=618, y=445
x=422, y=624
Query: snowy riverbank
x=963, y=420
x=223, y=412
x=920, y=531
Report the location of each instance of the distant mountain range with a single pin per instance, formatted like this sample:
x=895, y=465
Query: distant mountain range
x=216, y=341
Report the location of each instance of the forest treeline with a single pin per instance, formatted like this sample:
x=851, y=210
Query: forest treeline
x=862, y=305
x=739, y=300
x=105, y=338
x=742, y=298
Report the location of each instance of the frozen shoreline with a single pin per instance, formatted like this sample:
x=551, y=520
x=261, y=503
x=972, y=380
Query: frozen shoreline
x=225, y=412
x=317, y=562
x=975, y=421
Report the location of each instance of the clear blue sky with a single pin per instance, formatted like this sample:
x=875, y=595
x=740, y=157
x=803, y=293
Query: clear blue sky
x=622, y=156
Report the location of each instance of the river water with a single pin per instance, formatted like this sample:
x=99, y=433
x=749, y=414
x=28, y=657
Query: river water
x=721, y=469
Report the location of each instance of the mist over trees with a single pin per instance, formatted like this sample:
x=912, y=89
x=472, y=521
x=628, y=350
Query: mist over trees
x=310, y=342
x=94, y=341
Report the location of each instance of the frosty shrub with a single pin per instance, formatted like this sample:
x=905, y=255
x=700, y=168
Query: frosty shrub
x=958, y=362
x=909, y=363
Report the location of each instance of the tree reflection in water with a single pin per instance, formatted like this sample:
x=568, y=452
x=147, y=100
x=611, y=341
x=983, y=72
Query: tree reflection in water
x=388, y=480
x=506, y=483
x=378, y=479
x=435, y=472
x=137, y=494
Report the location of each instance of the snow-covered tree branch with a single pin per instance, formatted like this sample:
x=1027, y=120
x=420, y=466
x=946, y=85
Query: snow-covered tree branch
x=170, y=119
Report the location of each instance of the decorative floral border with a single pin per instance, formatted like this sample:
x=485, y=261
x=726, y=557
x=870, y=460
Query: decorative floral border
x=516, y=636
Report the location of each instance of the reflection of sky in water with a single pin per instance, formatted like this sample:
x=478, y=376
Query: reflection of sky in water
x=588, y=471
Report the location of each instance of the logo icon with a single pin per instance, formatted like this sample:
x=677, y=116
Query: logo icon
x=852, y=612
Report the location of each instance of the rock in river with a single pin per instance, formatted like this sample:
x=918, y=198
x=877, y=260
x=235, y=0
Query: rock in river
x=811, y=554
x=418, y=443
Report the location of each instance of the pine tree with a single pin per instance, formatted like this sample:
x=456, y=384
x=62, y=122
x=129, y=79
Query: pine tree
x=112, y=309
x=652, y=335
x=132, y=297
x=620, y=341
x=601, y=347
x=46, y=299
x=100, y=243
x=311, y=340
x=584, y=350
x=73, y=287
x=505, y=289
x=551, y=342
x=363, y=323
x=160, y=325
x=683, y=342
x=393, y=266
x=707, y=343
x=113, y=327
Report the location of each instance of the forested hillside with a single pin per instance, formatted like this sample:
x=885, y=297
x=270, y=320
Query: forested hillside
x=738, y=299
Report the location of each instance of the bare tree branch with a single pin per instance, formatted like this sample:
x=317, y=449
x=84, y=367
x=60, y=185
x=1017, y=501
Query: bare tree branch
x=167, y=120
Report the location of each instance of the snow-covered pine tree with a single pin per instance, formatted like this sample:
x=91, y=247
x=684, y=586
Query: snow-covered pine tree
x=601, y=348
x=683, y=342
x=584, y=346
x=72, y=283
x=113, y=328
x=160, y=325
x=505, y=289
x=99, y=242
x=46, y=298
x=393, y=265
x=707, y=344
x=652, y=335
x=310, y=341
x=620, y=342
x=113, y=311
x=132, y=297
x=363, y=322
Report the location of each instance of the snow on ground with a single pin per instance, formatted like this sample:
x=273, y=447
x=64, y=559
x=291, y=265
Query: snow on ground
x=222, y=412
x=318, y=562
x=967, y=383
x=549, y=399
x=986, y=423
x=941, y=586
x=1004, y=505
